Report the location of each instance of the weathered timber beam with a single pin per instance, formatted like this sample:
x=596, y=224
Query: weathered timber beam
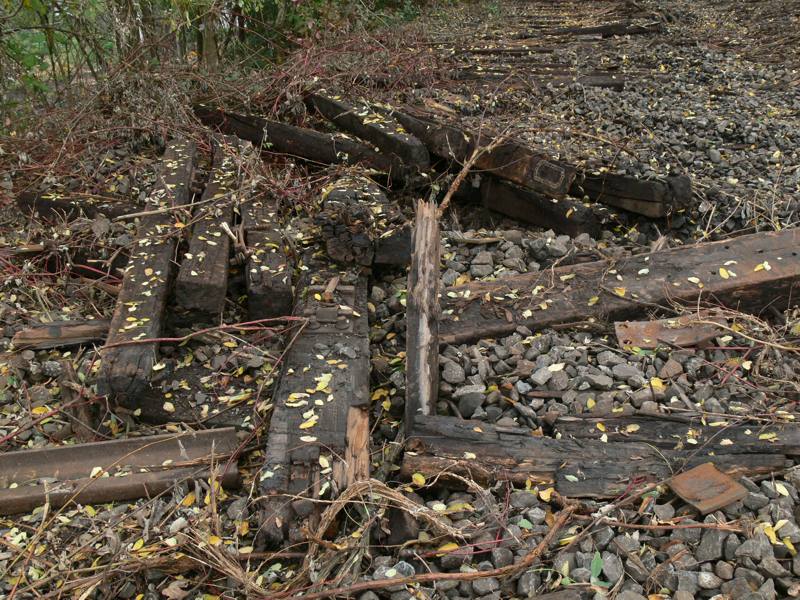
x=317, y=444
x=57, y=204
x=653, y=199
x=59, y=334
x=511, y=161
x=422, y=316
x=304, y=143
x=680, y=432
x=269, y=267
x=127, y=364
x=617, y=290
x=202, y=281
x=611, y=29
x=117, y=470
x=562, y=216
x=378, y=128
x=440, y=446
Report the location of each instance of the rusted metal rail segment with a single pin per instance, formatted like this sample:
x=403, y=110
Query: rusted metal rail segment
x=318, y=440
x=749, y=273
x=116, y=470
x=439, y=446
x=127, y=364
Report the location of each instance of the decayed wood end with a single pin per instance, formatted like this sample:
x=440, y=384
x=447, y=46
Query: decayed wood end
x=508, y=160
x=202, y=281
x=313, y=431
x=653, y=199
x=139, y=314
x=377, y=127
x=422, y=316
x=60, y=334
x=766, y=272
x=440, y=446
x=355, y=216
x=281, y=138
x=563, y=216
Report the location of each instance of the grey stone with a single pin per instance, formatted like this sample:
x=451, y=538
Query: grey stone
x=607, y=358
x=732, y=543
x=754, y=501
x=711, y=545
x=469, y=403
x=581, y=575
x=453, y=373
x=369, y=595
x=625, y=371
x=600, y=382
x=629, y=595
x=612, y=567
x=502, y=557
x=714, y=156
x=523, y=499
x=483, y=258
x=672, y=368
x=528, y=582
x=750, y=548
x=664, y=512
x=770, y=566
x=481, y=270
x=724, y=570
x=486, y=585
x=542, y=376
x=708, y=581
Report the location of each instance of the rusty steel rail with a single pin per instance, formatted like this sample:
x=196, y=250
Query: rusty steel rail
x=116, y=470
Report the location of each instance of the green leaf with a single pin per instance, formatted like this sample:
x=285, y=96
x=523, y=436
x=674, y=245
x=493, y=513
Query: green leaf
x=597, y=565
x=525, y=524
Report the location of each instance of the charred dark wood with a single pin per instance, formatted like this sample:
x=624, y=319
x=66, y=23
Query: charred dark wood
x=422, y=316
x=766, y=272
x=376, y=127
x=440, y=446
x=66, y=205
x=60, y=334
x=563, y=216
x=355, y=215
x=719, y=435
x=202, y=282
x=139, y=314
x=308, y=144
x=313, y=427
x=649, y=198
x=393, y=248
x=511, y=161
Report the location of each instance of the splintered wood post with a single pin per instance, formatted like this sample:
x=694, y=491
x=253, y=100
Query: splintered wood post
x=356, y=219
x=202, y=281
x=317, y=444
x=60, y=334
x=562, y=216
x=81, y=412
x=325, y=148
x=422, y=316
x=508, y=160
x=379, y=128
x=440, y=446
x=268, y=269
x=126, y=367
x=766, y=272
